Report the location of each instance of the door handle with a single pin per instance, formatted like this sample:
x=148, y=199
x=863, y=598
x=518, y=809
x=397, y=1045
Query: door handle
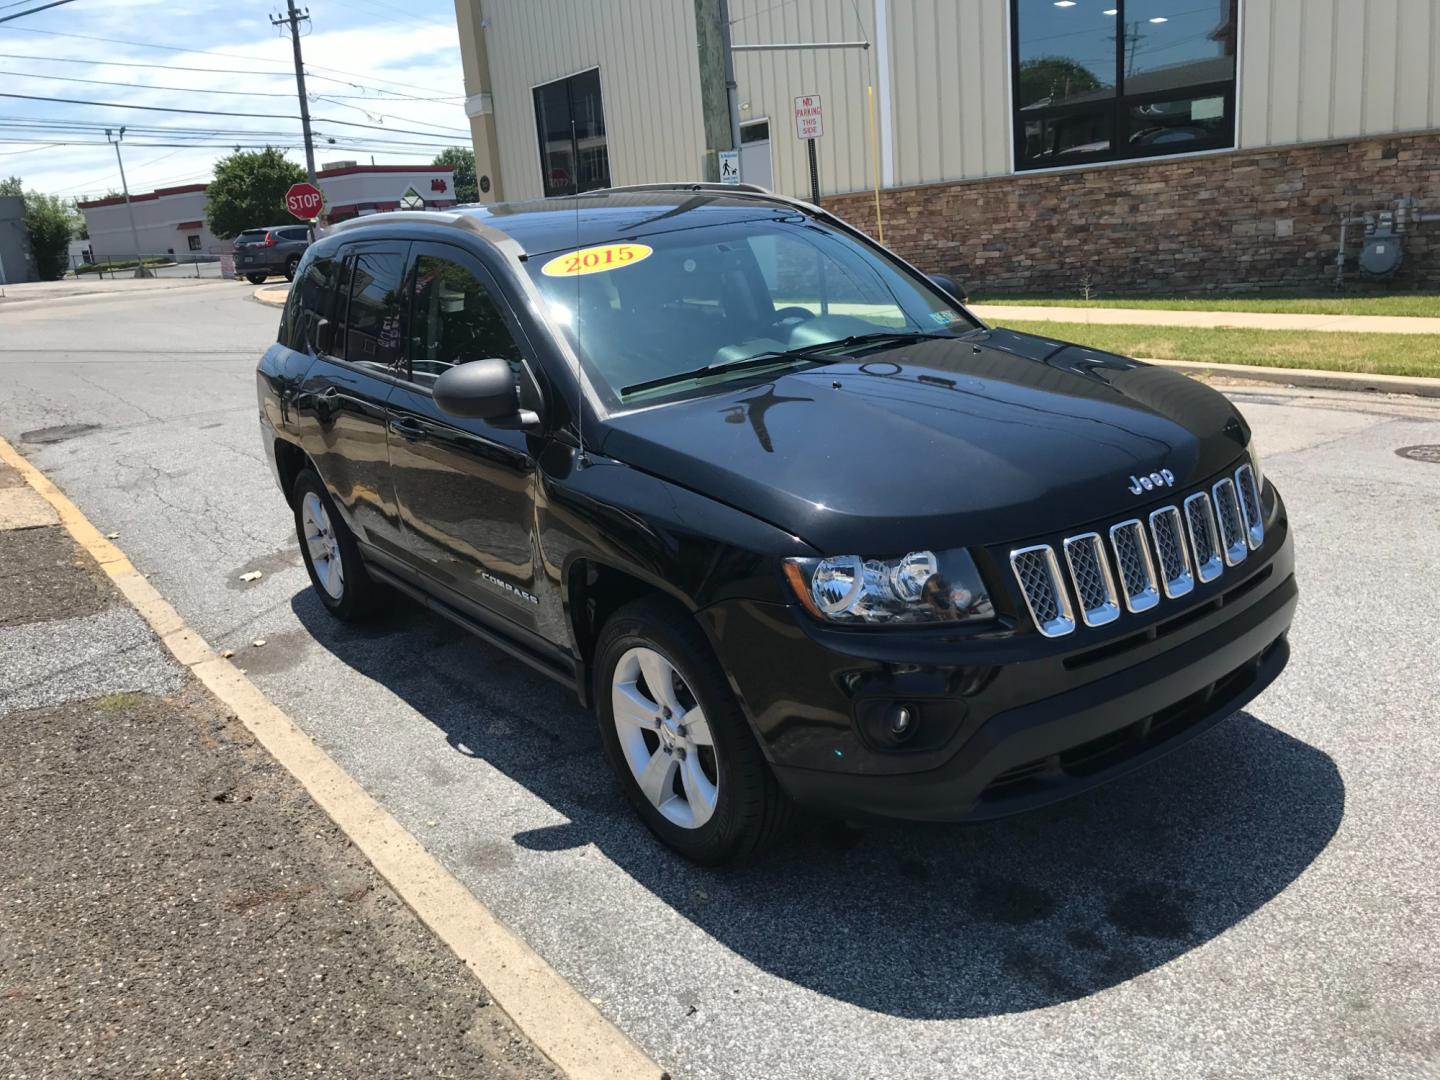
x=407, y=429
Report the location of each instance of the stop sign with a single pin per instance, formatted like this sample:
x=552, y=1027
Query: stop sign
x=304, y=201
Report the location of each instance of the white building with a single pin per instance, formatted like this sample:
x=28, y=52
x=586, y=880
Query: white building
x=171, y=221
x=1014, y=143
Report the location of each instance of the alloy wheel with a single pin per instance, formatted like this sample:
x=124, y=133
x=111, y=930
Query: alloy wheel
x=323, y=545
x=665, y=737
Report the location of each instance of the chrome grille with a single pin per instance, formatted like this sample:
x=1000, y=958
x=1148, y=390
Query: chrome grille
x=1162, y=556
x=1232, y=529
x=1249, y=490
x=1094, y=584
x=1172, y=560
x=1039, y=576
x=1204, y=536
x=1137, y=571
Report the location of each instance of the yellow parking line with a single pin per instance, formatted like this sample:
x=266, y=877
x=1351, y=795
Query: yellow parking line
x=551, y=1013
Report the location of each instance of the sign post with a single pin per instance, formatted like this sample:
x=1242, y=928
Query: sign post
x=304, y=201
x=810, y=125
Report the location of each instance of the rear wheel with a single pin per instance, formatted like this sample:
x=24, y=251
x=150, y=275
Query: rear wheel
x=677, y=739
x=331, y=555
x=256, y=279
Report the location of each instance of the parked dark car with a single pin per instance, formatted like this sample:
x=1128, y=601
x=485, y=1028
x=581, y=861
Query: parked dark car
x=797, y=526
x=261, y=253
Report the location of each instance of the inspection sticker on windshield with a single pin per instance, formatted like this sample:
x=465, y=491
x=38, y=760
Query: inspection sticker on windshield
x=944, y=318
x=596, y=260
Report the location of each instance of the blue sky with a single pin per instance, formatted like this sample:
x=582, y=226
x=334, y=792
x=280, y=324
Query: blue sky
x=367, y=63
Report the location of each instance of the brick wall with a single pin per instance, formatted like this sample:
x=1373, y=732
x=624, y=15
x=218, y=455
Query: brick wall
x=1185, y=224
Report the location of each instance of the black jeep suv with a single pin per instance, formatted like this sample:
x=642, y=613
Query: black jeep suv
x=799, y=527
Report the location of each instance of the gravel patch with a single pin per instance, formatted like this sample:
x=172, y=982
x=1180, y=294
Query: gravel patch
x=177, y=906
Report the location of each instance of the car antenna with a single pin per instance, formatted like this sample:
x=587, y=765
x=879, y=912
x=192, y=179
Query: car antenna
x=581, y=461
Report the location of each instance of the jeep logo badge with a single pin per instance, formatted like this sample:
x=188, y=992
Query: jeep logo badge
x=1141, y=484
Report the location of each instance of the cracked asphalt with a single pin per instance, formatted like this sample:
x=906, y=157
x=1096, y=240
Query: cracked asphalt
x=1262, y=904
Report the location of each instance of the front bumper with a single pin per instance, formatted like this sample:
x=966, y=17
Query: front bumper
x=1009, y=721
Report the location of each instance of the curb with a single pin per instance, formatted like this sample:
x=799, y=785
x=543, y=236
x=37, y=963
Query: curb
x=546, y=1009
x=1320, y=380
x=273, y=295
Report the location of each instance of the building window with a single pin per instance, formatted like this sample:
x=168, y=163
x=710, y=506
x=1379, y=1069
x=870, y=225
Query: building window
x=1105, y=80
x=570, y=120
x=194, y=242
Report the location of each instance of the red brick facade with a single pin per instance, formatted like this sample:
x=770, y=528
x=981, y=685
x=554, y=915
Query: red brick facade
x=1187, y=224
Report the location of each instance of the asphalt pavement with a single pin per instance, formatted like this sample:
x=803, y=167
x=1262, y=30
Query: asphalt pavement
x=1261, y=904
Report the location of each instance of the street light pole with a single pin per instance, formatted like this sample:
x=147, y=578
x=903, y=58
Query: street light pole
x=140, y=270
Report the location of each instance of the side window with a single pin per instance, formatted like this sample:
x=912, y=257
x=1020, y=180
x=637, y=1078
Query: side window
x=309, y=302
x=455, y=320
x=372, y=323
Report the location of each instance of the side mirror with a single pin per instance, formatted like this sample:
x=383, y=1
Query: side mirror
x=483, y=390
x=946, y=284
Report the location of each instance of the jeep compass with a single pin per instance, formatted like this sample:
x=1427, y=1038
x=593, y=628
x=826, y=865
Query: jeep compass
x=798, y=527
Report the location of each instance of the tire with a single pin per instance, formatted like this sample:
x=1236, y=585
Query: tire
x=290, y=265
x=331, y=555
x=748, y=811
x=256, y=279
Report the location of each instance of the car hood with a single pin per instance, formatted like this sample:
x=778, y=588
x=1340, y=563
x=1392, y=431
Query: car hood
x=986, y=439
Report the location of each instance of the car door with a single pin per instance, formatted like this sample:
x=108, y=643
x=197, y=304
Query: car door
x=465, y=490
x=358, y=358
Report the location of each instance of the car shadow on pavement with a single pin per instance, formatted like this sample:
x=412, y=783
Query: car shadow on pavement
x=914, y=921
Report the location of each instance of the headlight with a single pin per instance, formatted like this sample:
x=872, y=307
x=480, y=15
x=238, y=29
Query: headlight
x=1254, y=452
x=921, y=587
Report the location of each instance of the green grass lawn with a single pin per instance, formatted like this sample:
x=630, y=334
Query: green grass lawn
x=1424, y=304
x=1371, y=354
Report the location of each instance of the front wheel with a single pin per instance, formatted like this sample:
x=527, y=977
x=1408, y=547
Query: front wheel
x=290, y=265
x=256, y=279
x=677, y=739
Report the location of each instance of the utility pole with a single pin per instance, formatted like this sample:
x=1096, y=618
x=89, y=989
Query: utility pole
x=718, y=106
x=140, y=270
x=293, y=19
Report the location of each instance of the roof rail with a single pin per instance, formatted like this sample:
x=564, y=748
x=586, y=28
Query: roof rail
x=729, y=189
x=469, y=222
x=685, y=185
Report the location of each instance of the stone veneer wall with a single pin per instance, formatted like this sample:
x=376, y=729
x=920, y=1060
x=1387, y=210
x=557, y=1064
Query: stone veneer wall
x=1253, y=218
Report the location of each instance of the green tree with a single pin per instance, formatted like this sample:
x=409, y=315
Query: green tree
x=463, y=162
x=249, y=191
x=51, y=225
x=1056, y=79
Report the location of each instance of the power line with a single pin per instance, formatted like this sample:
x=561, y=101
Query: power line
x=144, y=86
x=217, y=112
x=232, y=56
x=33, y=10
x=394, y=95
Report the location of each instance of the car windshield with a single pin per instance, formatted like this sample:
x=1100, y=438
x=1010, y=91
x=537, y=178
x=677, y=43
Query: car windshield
x=648, y=315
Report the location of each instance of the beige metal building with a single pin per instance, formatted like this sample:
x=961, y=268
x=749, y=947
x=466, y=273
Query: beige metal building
x=1130, y=144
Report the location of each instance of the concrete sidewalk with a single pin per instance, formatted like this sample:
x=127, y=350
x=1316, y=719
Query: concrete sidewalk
x=1000, y=314
x=172, y=903
x=93, y=286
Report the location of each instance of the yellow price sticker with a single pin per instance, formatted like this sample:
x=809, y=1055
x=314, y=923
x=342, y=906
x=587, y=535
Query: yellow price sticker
x=596, y=260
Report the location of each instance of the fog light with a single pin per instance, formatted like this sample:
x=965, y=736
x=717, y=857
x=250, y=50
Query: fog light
x=900, y=721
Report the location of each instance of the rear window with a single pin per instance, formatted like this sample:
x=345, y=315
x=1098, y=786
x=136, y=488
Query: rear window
x=309, y=302
x=251, y=236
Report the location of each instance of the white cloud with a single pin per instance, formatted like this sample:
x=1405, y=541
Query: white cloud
x=380, y=46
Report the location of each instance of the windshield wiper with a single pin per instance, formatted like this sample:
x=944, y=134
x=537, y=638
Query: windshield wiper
x=760, y=359
x=757, y=360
